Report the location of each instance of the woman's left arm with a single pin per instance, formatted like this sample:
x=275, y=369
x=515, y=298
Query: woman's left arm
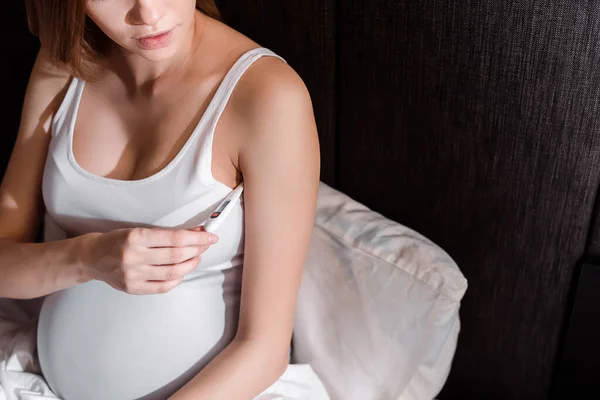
x=279, y=160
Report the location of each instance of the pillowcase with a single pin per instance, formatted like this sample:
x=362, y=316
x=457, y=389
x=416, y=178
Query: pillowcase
x=378, y=308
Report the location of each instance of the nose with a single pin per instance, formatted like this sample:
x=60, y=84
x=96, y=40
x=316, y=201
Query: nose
x=147, y=12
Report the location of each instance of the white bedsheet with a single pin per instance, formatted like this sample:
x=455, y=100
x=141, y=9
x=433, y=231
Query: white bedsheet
x=21, y=379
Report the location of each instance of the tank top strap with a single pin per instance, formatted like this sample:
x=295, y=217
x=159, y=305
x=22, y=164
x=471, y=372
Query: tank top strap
x=62, y=119
x=233, y=76
x=218, y=103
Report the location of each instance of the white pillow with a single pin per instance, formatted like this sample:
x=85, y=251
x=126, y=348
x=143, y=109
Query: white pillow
x=377, y=314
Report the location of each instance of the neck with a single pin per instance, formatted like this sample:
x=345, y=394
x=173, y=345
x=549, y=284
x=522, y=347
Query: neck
x=147, y=77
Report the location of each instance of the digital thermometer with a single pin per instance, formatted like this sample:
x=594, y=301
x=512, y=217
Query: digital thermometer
x=223, y=209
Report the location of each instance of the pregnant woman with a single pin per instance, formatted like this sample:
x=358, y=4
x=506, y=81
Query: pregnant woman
x=141, y=116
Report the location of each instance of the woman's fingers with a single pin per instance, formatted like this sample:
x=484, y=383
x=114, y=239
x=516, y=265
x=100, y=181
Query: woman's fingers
x=157, y=237
x=170, y=272
x=172, y=255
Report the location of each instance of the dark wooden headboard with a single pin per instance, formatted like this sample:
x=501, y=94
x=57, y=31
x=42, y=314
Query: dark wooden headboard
x=474, y=123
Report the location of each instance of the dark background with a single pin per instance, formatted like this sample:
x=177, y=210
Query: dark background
x=475, y=123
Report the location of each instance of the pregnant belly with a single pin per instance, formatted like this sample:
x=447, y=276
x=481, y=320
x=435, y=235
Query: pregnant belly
x=95, y=342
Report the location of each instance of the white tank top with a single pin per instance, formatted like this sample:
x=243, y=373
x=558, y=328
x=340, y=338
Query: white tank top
x=95, y=342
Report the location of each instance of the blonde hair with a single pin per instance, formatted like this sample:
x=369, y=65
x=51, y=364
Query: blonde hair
x=72, y=38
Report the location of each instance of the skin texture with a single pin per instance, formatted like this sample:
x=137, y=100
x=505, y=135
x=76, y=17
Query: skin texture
x=132, y=121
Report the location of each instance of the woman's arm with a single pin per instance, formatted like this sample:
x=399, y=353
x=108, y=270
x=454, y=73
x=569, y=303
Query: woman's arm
x=279, y=159
x=30, y=270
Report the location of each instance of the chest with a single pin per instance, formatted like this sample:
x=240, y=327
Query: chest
x=128, y=137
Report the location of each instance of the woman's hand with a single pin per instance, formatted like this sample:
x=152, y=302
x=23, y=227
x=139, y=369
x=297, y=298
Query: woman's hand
x=143, y=260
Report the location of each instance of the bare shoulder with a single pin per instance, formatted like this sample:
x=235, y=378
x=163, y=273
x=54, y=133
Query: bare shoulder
x=269, y=90
x=268, y=81
x=270, y=109
x=272, y=80
x=48, y=73
x=276, y=118
x=46, y=88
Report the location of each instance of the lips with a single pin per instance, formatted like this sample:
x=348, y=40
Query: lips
x=155, y=41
